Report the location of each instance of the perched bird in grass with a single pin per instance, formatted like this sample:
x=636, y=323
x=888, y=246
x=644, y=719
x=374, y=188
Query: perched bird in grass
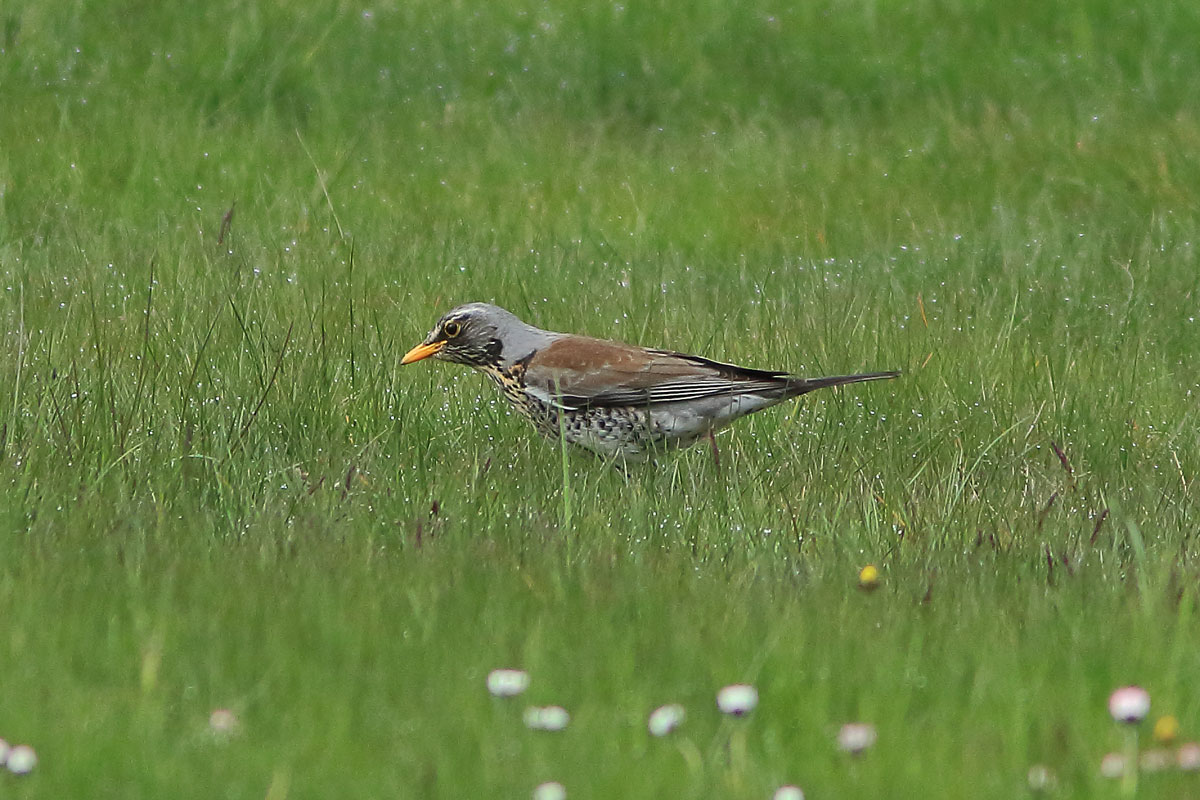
x=614, y=399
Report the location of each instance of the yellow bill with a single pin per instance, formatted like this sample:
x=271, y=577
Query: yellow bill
x=423, y=350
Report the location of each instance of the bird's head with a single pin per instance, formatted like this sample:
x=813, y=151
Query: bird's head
x=476, y=334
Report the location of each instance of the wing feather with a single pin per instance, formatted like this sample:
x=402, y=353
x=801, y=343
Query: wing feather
x=589, y=373
x=673, y=392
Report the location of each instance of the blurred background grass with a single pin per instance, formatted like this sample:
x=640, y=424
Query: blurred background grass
x=220, y=490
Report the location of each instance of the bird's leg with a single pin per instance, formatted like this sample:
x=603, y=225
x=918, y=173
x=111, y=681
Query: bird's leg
x=712, y=440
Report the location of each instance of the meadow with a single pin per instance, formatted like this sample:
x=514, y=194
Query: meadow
x=223, y=224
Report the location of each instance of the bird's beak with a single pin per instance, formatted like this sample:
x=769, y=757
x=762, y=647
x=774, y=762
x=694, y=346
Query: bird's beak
x=423, y=350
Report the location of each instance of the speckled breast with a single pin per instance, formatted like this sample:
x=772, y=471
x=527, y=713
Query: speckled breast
x=607, y=430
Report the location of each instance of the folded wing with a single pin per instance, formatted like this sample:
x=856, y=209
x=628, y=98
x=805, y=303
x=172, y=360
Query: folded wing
x=591, y=373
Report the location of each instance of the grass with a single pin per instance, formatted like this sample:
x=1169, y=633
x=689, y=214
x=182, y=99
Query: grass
x=222, y=226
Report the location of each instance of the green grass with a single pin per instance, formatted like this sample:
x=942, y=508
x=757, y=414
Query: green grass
x=219, y=490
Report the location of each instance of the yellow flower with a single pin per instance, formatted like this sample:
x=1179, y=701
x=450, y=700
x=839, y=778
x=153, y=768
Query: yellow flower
x=1166, y=728
x=868, y=577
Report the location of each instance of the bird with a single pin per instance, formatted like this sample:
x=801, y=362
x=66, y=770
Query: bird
x=616, y=400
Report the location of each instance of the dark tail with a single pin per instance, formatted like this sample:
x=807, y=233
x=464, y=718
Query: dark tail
x=799, y=386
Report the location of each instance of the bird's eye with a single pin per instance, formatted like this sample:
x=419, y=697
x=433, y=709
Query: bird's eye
x=451, y=329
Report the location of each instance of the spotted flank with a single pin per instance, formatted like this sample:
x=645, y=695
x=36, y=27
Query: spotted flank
x=610, y=431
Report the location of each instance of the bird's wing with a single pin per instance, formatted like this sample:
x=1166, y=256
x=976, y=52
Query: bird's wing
x=579, y=372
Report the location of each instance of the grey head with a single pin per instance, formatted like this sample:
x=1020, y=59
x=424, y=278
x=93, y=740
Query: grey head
x=480, y=335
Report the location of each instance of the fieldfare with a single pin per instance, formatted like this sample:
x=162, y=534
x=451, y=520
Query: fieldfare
x=614, y=399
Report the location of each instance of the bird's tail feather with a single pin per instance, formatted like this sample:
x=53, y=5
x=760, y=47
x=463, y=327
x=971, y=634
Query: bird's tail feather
x=799, y=386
